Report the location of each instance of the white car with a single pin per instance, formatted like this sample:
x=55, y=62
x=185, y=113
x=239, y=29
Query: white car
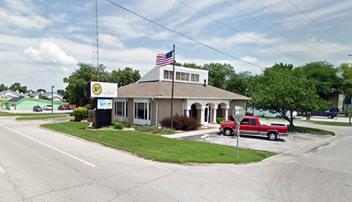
x=48, y=107
x=267, y=113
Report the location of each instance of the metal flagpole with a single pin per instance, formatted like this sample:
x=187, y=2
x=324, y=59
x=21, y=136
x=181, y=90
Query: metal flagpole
x=97, y=36
x=172, y=87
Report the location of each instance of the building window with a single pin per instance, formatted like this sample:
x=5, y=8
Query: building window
x=181, y=76
x=195, y=77
x=167, y=74
x=141, y=110
x=121, y=109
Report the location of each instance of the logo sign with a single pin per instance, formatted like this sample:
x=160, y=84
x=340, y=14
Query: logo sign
x=103, y=89
x=104, y=104
x=238, y=114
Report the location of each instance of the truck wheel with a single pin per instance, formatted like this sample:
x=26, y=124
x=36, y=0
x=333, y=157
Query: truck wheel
x=330, y=117
x=227, y=132
x=272, y=136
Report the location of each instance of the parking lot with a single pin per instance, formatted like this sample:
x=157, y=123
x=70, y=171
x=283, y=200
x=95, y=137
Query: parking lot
x=282, y=145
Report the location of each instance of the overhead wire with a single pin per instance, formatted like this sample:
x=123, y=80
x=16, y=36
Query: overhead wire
x=201, y=43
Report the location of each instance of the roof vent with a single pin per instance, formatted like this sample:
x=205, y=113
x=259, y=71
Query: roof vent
x=205, y=83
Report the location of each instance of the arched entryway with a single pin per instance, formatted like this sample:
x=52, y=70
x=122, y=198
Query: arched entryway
x=221, y=111
x=209, y=113
x=195, y=111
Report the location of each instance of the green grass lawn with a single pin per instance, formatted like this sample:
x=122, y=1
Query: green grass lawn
x=160, y=148
x=315, y=131
x=332, y=123
x=26, y=114
x=42, y=117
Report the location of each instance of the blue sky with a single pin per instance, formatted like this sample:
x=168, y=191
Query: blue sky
x=42, y=41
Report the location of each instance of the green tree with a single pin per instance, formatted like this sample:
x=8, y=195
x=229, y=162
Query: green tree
x=125, y=76
x=282, y=90
x=41, y=90
x=3, y=87
x=76, y=90
x=345, y=70
x=325, y=76
x=18, y=87
x=219, y=74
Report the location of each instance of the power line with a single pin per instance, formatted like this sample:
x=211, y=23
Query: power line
x=201, y=43
x=315, y=22
x=183, y=35
x=234, y=29
x=282, y=34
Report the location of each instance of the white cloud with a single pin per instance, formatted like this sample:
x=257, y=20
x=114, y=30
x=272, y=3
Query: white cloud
x=240, y=38
x=110, y=41
x=48, y=52
x=249, y=59
x=8, y=19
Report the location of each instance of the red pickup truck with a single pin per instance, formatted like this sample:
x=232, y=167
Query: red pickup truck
x=250, y=125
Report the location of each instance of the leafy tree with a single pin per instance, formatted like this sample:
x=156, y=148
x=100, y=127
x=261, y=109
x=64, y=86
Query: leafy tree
x=241, y=83
x=41, y=90
x=17, y=87
x=76, y=90
x=219, y=74
x=60, y=91
x=3, y=87
x=346, y=72
x=281, y=90
x=325, y=75
x=125, y=76
x=192, y=65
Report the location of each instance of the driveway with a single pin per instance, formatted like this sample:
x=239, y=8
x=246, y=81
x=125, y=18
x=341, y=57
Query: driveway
x=282, y=145
x=41, y=165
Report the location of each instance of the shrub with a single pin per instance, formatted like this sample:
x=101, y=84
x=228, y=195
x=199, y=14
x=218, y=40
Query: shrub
x=118, y=125
x=220, y=120
x=80, y=113
x=180, y=123
x=148, y=129
x=167, y=131
x=127, y=123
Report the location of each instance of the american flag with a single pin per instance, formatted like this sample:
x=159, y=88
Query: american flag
x=164, y=59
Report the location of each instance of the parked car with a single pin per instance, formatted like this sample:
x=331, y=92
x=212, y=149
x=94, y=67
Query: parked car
x=330, y=114
x=251, y=125
x=267, y=113
x=72, y=106
x=37, y=108
x=48, y=107
x=63, y=107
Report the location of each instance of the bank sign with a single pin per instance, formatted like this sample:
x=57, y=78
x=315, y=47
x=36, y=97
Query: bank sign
x=103, y=90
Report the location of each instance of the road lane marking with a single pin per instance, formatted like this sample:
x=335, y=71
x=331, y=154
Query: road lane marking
x=2, y=171
x=48, y=146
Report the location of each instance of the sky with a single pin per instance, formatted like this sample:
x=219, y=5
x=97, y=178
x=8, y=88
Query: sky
x=42, y=41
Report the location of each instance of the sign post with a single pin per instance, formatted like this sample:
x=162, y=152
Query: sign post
x=238, y=114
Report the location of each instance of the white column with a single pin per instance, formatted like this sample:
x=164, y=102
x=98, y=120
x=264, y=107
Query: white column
x=226, y=114
x=214, y=115
x=187, y=112
x=202, y=115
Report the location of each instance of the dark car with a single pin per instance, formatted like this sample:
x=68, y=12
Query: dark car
x=332, y=113
x=37, y=108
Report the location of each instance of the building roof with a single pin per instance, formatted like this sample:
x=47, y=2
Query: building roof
x=15, y=99
x=5, y=92
x=162, y=89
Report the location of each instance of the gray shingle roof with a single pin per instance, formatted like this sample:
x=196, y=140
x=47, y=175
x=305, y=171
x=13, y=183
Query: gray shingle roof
x=160, y=89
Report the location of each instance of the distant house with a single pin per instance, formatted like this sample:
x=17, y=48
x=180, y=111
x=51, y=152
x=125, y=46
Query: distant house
x=47, y=96
x=25, y=103
x=8, y=94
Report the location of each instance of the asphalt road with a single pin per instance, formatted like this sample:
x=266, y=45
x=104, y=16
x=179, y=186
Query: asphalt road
x=40, y=165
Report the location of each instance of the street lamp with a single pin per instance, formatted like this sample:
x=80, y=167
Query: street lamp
x=52, y=99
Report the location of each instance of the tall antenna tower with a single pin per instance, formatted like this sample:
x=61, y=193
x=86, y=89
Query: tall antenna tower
x=97, y=36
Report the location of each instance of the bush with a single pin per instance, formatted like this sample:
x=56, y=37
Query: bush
x=127, y=123
x=148, y=129
x=180, y=123
x=80, y=113
x=167, y=131
x=118, y=125
x=220, y=120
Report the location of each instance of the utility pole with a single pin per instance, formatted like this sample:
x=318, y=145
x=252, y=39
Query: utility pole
x=172, y=87
x=97, y=35
x=52, y=99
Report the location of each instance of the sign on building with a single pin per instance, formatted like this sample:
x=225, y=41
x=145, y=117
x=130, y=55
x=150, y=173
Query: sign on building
x=103, y=90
